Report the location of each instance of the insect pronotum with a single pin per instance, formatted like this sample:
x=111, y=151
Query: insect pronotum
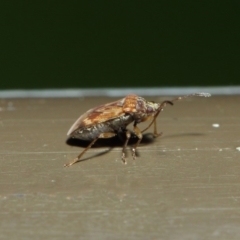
x=110, y=119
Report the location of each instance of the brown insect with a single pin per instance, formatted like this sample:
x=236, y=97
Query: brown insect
x=110, y=119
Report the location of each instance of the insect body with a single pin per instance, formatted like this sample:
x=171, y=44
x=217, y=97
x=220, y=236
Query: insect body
x=108, y=120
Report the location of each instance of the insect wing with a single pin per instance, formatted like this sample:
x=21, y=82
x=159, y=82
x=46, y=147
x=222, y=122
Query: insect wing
x=98, y=114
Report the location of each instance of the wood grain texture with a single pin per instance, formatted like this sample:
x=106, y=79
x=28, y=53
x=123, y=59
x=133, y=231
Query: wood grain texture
x=183, y=185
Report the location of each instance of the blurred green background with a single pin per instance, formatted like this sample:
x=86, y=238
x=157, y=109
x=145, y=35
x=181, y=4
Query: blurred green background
x=80, y=44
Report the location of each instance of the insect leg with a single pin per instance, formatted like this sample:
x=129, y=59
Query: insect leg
x=155, y=133
x=102, y=135
x=128, y=135
x=138, y=133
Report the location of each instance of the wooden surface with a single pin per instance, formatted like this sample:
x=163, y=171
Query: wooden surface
x=183, y=185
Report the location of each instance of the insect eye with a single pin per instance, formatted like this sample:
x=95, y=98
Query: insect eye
x=149, y=109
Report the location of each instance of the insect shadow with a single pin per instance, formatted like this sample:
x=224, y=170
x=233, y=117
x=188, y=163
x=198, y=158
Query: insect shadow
x=118, y=141
x=111, y=143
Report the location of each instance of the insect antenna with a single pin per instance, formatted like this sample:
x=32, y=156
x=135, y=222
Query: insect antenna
x=163, y=104
x=192, y=95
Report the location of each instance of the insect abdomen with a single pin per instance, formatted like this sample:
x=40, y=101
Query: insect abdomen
x=114, y=125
